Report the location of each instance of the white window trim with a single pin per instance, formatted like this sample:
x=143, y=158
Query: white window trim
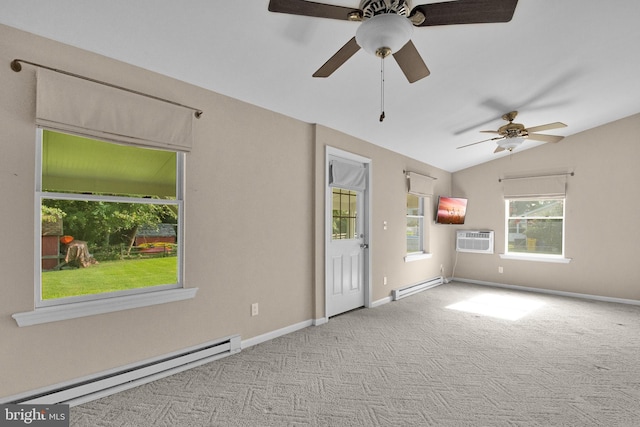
x=535, y=257
x=539, y=258
x=417, y=256
x=69, y=308
x=102, y=306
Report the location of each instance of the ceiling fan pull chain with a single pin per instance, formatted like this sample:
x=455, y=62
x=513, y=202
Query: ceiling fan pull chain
x=382, y=88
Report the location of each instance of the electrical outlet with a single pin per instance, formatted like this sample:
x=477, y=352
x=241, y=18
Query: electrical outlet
x=254, y=309
x=500, y=270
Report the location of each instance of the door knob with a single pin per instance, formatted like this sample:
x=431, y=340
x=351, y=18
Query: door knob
x=364, y=245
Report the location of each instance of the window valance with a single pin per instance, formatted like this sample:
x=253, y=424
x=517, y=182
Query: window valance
x=551, y=186
x=347, y=175
x=69, y=104
x=420, y=185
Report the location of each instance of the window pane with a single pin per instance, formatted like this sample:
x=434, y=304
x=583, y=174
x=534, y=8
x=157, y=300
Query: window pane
x=344, y=208
x=94, y=247
x=414, y=234
x=413, y=205
x=535, y=226
x=114, y=228
x=542, y=236
x=72, y=164
x=415, y=224
x=536, y=208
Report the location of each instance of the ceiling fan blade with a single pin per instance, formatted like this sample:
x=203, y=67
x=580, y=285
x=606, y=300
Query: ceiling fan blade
x=548, y=126
x=479, y=142
x=339, y=58
x=498, y=149
x=411, y=63
x=489, y=131
x=307, y=8
x=544, y=138
x=466, y=12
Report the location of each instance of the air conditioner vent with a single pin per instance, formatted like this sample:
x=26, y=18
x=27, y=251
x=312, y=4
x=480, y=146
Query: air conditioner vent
x=474, y=241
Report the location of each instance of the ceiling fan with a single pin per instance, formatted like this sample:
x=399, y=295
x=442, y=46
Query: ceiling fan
x=512, y=134
x=387, y=26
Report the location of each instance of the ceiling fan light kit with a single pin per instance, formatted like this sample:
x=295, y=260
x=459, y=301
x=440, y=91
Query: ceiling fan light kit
x=384, y=34
x=510, y=143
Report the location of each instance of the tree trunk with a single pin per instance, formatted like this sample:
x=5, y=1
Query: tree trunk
x=132, y=239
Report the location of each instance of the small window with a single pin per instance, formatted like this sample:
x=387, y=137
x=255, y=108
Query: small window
x=535, y=227
x=345, y=215
x=415, y=224
x=110, y=219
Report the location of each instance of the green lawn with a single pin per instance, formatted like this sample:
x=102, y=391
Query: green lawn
x=109, y=276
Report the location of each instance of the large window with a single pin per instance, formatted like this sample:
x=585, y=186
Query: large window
x=415, y=224
x=535, y=227
x=110, y=217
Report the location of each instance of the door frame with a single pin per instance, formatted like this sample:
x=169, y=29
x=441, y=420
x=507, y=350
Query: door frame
x=366, y=280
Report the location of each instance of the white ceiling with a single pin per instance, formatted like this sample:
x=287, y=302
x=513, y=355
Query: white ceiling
x=574, y=61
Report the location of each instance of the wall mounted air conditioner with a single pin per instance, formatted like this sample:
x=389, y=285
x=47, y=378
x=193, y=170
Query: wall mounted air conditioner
x=474, y=241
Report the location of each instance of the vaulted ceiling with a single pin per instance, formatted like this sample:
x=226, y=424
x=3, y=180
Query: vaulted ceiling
x=571, y=61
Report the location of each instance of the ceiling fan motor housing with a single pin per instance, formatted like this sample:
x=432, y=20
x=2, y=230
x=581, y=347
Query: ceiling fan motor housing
x=513, y=130
x=371, y=8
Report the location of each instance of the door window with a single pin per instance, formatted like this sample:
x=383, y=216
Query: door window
x=345, y=215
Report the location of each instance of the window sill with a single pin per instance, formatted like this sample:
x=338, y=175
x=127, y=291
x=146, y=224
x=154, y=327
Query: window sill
x=107, y=305
x=417, y=257
x=538, y=258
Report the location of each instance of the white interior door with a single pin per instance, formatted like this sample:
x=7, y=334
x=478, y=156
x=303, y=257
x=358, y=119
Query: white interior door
x=347, y=253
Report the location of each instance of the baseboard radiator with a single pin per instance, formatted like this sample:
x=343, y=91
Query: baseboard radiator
x=111, y=382
x=414, y=289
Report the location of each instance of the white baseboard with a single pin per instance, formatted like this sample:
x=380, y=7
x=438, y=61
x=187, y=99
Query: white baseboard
x=320, y=321
x=275, y=334
x=548, y=291
x=380, y=302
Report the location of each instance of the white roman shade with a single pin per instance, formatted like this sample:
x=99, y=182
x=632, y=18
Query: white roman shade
x=71, y=104
x=535, y=187
x=347, y=175
x=420, y=185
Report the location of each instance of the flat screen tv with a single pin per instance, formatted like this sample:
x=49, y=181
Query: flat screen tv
x=451, y=210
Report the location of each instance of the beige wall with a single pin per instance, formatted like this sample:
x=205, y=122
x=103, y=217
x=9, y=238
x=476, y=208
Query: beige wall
x=253, y=204
x=602, y=211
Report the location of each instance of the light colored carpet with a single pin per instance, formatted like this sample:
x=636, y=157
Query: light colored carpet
x=413, y=362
